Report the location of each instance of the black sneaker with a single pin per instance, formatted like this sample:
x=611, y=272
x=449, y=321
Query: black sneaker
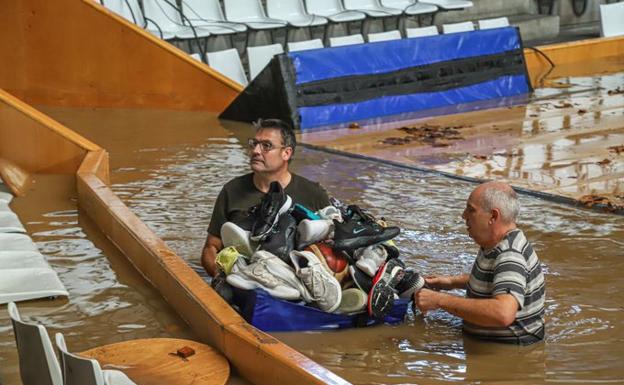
x=360, y=230
x=381, y=296
x=361, y=280
x=411, y=282
x=281, y=240
x=274, y=204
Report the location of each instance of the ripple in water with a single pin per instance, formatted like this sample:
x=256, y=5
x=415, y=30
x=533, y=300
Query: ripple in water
x=581, y=251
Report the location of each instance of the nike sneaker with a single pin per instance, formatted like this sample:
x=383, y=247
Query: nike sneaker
x=274, y=204
x=360, y=230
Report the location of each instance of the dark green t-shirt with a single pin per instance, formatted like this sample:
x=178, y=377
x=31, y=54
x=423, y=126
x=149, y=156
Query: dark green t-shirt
x=239, y=194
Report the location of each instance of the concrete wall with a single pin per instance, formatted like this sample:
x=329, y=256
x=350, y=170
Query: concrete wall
x=77, y=53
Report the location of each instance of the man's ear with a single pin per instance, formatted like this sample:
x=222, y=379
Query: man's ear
x=287, y=153
x=495, y=215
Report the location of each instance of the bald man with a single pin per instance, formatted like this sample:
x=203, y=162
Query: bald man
x=505, y=294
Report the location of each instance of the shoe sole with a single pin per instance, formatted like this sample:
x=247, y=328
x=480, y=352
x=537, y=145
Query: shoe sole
x=232, y=235
x=366, y=240
x=353, y=301
x=381, y=295
x=282, y=210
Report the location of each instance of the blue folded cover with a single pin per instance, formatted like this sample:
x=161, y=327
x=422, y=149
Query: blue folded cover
x=395, y=55
x=331, y=114
x=274, y=315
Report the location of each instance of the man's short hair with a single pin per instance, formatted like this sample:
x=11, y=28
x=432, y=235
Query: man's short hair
x=502, y=197
x=286, y=131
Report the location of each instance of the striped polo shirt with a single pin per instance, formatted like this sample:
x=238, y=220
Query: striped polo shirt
x=512, y=267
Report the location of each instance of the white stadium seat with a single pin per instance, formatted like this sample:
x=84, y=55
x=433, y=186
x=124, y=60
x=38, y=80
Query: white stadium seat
x=260, y=56
x=228, y=63
x=465, y=26
x=346, y=40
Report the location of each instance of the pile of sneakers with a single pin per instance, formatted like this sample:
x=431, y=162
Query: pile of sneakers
x=339, y=259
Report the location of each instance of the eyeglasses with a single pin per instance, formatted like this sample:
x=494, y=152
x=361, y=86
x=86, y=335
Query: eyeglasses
x=265, y=145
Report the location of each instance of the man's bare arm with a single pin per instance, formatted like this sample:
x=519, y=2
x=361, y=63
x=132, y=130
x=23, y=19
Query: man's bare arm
x=209, y=254
x=448, y=282
x=499, y=311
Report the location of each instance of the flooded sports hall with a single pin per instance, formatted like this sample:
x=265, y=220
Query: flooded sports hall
x=311, y=192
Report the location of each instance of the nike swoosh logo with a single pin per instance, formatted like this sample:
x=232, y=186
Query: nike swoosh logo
x=358, y=231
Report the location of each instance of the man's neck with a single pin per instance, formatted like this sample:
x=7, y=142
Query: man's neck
x=262, y=181
x=498, y=235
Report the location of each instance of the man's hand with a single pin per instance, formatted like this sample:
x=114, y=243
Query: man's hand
x=426, y=300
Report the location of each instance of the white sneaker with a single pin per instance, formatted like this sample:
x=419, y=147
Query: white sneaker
x=311, y=231
x=370, y=258
x=330, y=212
x=270, y=273
x=320, y=282
x=283, y=271
x=233, y=235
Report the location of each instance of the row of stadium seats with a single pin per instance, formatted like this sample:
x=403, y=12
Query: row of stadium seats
x=228, y=62
x=192, y=20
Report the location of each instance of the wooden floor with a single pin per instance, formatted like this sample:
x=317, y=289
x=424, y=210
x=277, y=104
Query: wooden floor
x=566, y=140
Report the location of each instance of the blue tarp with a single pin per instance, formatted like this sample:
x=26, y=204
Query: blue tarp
x=393, y=105
x=275, y=315
x=394, y=55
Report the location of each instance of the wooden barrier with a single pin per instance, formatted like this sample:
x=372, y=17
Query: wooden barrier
x=77, y=53
x=574, y=57
x=257, y=356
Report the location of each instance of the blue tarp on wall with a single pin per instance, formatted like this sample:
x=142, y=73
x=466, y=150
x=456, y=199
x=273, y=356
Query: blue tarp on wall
x=339, y=85
x=394, y=55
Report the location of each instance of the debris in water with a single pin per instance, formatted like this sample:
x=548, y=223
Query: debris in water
x=435, y=135
x=563, y=105
x=616, y=149
x=616, y=91
x=354, y=126
x=604, y=162
x=591, y=200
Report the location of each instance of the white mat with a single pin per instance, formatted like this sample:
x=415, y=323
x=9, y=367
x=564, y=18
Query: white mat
x=22, y=260
x=24, y=284
x=16, y=242
x=10, y=223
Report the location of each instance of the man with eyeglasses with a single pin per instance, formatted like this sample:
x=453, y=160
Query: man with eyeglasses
x=270, y=153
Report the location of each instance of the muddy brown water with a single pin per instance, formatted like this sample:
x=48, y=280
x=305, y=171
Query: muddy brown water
x=169, y=166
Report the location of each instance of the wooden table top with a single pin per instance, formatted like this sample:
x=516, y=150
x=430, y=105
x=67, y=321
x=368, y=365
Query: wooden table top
x=150, y=362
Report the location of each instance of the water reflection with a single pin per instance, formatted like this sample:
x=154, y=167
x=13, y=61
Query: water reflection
x=581, y=251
